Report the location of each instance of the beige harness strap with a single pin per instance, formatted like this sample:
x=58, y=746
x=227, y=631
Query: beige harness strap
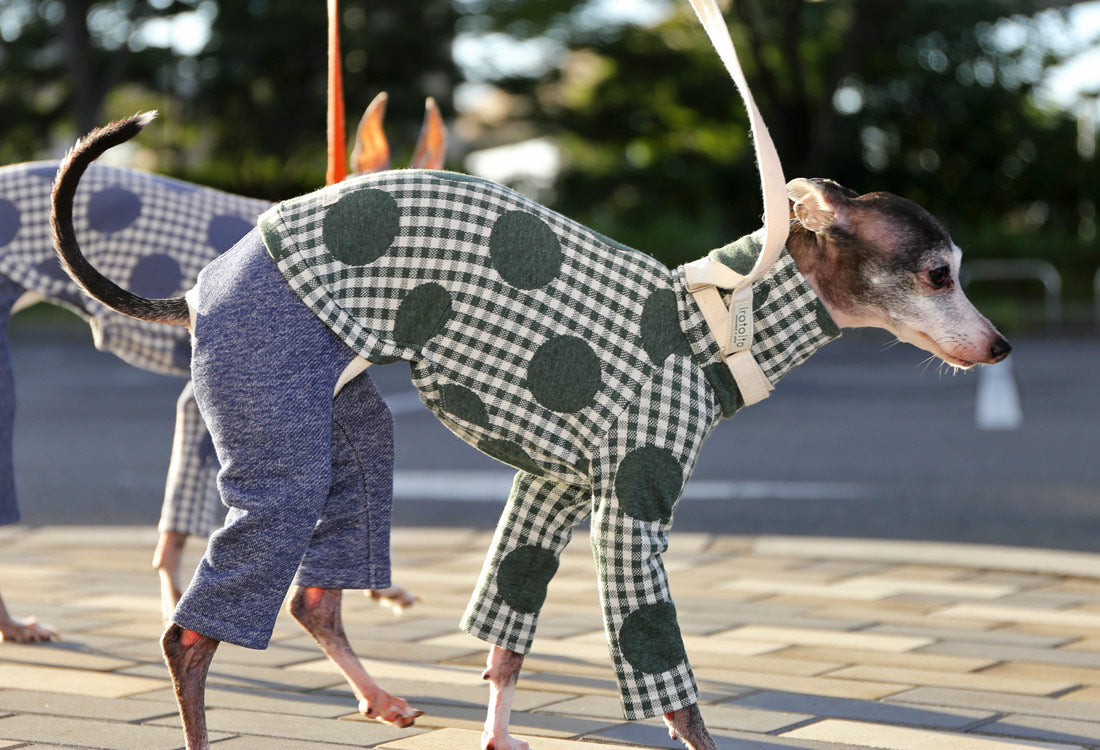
x=732, y=328
x=751, y=380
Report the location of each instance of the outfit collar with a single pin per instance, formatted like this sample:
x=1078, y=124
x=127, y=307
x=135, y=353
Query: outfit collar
x=790, y=322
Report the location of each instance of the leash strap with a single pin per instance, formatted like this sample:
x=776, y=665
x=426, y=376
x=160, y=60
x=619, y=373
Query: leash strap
x=734, y=332
x=337, y=168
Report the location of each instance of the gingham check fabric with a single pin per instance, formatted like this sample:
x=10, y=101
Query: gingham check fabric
x=149, y=233
x=192, y=504
x=620, y=449
x=153, y=235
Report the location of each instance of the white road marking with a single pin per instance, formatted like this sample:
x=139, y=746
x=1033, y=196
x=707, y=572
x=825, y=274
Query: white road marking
x=998, y=401
x=494, y=486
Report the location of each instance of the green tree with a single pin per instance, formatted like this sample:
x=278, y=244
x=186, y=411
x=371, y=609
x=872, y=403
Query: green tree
x=924, y=98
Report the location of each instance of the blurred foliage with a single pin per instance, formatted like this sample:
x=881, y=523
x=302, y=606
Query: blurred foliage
x=246, y=112
x=931, y=99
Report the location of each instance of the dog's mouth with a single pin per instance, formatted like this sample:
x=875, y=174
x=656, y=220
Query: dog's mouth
x=932, y=346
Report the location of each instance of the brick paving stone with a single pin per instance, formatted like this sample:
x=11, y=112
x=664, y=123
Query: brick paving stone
x=272, y=743
x=822, y=637
x=1062, y=656
x=984, y=635
x=451, y=739
x=239, y=675
x=1045, y=729
x=921, y=659
x=1063, y=618
x=227, y=721
x=537, y=724
x=83, y=733
x=75, y=681
x=967, y=681
x=63, y=654
x=863, y=689
x=1002, y=702
x=1035, y=671
x=139, y=708
x=862, y=710
x=902, y=738
x=725, y=716
x=1090, y=694
x=321, y=705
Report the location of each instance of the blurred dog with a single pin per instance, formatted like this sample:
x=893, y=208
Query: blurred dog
x=157, y=233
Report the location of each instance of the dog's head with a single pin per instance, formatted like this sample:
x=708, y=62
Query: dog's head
x=881, y=260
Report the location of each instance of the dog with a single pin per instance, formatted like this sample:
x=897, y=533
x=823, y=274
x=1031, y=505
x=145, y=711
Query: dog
x=158, y=233
x=587, y=365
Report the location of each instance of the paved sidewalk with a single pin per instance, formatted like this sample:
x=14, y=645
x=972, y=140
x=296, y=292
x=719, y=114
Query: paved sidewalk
x=796, y=643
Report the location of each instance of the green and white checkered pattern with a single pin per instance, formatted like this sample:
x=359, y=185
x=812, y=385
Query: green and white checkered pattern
x=622, y=456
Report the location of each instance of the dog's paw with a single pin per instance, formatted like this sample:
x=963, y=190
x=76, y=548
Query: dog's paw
x=386, y=709
x=29, y=631
x=396, y=598
x=502, y=742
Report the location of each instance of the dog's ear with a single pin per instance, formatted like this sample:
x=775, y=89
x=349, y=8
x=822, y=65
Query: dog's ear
x=431, y=146
x=821, y=205
x=371, y=152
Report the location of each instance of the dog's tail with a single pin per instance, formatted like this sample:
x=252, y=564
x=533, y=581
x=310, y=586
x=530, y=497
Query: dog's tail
x=171, y=311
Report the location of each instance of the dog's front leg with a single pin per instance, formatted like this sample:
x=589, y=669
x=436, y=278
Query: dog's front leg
x=686, y=724
x=502, y=672
x=318, y=611
x=166, y=561
x=188, y=655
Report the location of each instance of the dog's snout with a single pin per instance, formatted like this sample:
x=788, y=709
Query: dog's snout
x=999, y=350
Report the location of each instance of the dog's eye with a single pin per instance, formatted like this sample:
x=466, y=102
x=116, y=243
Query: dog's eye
x=940, y=277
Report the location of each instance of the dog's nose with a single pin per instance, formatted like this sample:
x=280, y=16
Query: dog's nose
x=999, y=350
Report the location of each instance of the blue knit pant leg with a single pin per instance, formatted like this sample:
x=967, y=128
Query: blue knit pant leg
x=9, y=506
x=350, y=547
x=264, y=369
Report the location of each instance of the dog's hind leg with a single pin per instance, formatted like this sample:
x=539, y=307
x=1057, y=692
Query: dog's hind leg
x=350, y=544
x=318, y=611
x=188, y=656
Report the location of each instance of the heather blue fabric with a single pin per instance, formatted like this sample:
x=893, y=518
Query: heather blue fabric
x=9, y=507
x=264, y=369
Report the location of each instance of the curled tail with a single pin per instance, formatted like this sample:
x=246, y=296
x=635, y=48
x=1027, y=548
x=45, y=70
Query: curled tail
x=172, y=311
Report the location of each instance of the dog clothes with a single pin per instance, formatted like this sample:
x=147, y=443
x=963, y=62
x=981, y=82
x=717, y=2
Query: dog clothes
x=583, y=363
x=308, y=479
x=152, y=234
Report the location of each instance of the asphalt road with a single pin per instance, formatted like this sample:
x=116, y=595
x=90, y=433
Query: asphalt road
x=860, y=441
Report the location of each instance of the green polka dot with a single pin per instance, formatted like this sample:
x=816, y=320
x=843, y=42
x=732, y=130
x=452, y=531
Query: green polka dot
x=648, y=483
x=660, y=327
x=511, y=454
x=463, y=403
x=361, y=226
x=564, y=374
x=524, y=250
x=650, y=639
x=824, y=320
x=421, y=313
x=523, y=576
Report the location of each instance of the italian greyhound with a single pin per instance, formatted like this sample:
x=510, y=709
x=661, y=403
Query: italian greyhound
x=584, y=363
x=158, y=232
